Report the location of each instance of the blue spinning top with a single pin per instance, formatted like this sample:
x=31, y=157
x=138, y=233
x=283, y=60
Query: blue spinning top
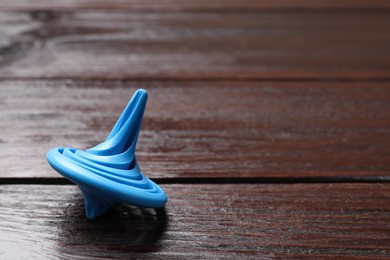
x=109, y=172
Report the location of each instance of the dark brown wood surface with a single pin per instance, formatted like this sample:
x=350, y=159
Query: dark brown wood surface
x=206, y=128
x=193, y=5
x=232, y=45
x=206, y=221
x=268, y=125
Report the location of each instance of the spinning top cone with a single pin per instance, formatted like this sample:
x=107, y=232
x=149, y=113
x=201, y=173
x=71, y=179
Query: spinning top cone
x=109, y=172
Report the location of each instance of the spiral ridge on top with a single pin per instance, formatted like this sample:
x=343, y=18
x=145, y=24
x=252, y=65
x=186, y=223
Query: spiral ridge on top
x=109, y=172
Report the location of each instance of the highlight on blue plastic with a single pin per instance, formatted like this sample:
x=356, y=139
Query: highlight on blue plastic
x=109, y=172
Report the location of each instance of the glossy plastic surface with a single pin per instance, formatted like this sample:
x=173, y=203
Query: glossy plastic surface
x=108, y=172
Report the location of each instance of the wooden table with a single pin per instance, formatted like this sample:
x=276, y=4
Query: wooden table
x=268, y=125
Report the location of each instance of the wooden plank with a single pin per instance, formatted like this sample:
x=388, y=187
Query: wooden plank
x=205, y=128
x=189, y=5
x=233, y=221
x=267, y=45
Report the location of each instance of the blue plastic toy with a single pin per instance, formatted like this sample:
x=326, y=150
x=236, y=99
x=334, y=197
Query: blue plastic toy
x=108, y=172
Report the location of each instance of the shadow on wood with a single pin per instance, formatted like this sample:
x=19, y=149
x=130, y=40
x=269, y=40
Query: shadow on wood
x=123, y=227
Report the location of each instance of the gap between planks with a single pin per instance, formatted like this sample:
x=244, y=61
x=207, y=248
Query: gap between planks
x=233, y=79
x=216, y=180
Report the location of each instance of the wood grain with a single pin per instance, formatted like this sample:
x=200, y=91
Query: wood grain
x=254, y=90
x=189, y=5
x=206, y=221
x=117, y=44
x=205, y=128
